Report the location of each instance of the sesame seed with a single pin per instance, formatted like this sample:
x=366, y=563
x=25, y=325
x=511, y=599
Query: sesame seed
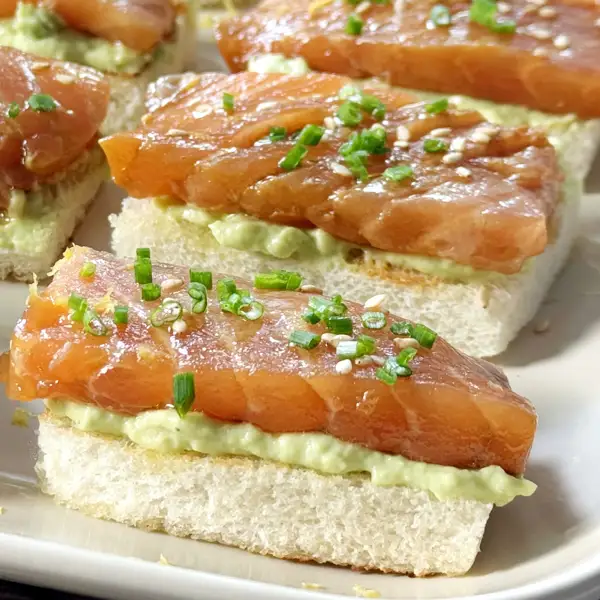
x=495, y=386
x=542, y=326
x=180, y=326
x=310, y=289
x=340, y=169
x=168, y=285
x=343, y=367
x=458, y=144
x=334, y=340
x=452, y=157
x=362, y=7
x=401, y=144
x=480, y=138
x=176, y=132
x=402, y=133
x=540, y=34
x=406, y=343
x=562, y=42
x=490, y=130
x=378, y=360
x=463, y=172
x=39, y=66
x=266, y=105
x=547, y=12
x=597, y=22
x=375, y=302
x=529, y=8
x=441, y=132
x=539, y=2
x=64, y=78
x=540, y=52
x=503, y=7
x=329, y=123
x=363, y=361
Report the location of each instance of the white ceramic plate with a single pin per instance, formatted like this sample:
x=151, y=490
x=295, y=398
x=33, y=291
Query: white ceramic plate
x=544, y=547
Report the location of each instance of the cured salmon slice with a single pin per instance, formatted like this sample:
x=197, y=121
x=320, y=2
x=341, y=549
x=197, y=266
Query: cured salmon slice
x=482, y=196
x=138, y=24
x=50, y=112
x=539, y=54
x=453, y=410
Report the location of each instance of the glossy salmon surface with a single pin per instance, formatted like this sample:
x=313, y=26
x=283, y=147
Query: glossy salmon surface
x=550, y=61
x=485, y=201
x=138, y=24
x=452, y=410
x=36, y=145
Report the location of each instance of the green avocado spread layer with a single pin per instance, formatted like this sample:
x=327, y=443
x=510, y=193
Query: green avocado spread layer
x=37, y=30
x=164, y=431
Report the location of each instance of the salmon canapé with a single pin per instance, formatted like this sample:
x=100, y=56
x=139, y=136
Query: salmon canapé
x=137, y=24
x=371, y=166
x=50, y=112
x=543, y=55
x=446, y=409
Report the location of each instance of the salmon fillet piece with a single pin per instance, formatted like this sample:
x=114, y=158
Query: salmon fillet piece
x=138, y=24
x=453, y=410
x=549, y=63
x=492, y=214
x=37, y=144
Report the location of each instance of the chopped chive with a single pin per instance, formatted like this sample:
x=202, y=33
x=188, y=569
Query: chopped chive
x=150, y=292
x=143, y=253
x=425, y=336
x=93, y=324
x=197, y=291
x=324, y=308
x=278, y=280
x=440, y=16
x=183, y=393
x=304, y=339
x=350, y=114
x=200, y=306
x=406, y=356
x=13, y=110
x=225, y=288
x=392, y=366
x=485, y=12
x=433, y=145
x=203, y=277
x=121, y=316
x=78, y=305
x=251, y=311
x=385, y=376
x=398, y=173
x=367, y=344
x=373, y=105
x=356, y=164
x=437, y=107
x=402, y=328
x=373, y=320
x=348, y=349
x=293, y=158
x=310, y=135
x=277, y=134
x=228, y=102
x=310, y=316
x=142, y=269
x=168, y=312
x=88, y=269
x=354, y=25
x=339, y=325
x=42, y=103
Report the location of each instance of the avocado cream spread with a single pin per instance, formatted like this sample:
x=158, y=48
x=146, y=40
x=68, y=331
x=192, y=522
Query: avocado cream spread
x=164, y=431
x=37, y=30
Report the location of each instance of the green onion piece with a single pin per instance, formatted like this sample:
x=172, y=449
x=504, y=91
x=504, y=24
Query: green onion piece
x=293, y=158
x=150, y=292
x=385, y=376
x=485, y=12
x=310, y=316
x=143, y=253
x=42, y=103
x=373, y=105
x=367, y=344
x=88, y=269
x=78, y=305
x=183, y=393
x=252, y=311
x=348, y=349
x=277, y=134
x=142, y=269
x=197, y=291
x=228, y=102
x=392, y=366
x=93, y=324
x=402, y=328
x=203, y=277
x=398, y=173
x=225, y=288
x=339, y=325
x=433, y=145
x=437, y=107
x=440, y=16
x=425, y=336
x=278, y=280
x=121, y=316
x=168, y=312
x=13, y=110
x=349, y=91
x=354, y=25
x=304, y=339
x=350, y=114
x=373, y=320
x=325, y=308
x=200, y=306
x=310, y=135
x=406, y=356
x=356, y=164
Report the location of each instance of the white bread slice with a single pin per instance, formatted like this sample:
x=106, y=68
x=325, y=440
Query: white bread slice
x=480, y=317
x=47, y=234
x=260, y=506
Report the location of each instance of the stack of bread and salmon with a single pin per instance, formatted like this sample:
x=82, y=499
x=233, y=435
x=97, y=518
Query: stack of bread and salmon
x=284, y=353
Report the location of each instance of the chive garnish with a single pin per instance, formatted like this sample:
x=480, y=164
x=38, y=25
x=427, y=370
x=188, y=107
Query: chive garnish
x=310, y=135
x=121, y=316
x=437, y=107
x=440, y=16
x=150, y=292
x=168, y=312
x=203, y=277
x=42, y=103
x=386, y=377
x=367, y=343
x=304, y=339
x=225, y=288
x=398, y=173
x=228, y=102
x=13, y=110
x=324, y=308
x=199, y=295
x=277, y=134
x=350, y=114
x=339, y=325
x=393, y=367
x=238, y=302
x=310, y=316
x=434, y=145
x=356, y=163
x=406, y=356
x=93, y=324
x=142, y=270
x=423, y=334
x=373, y=320
x=88, y=269
x=251, y=311
x=183, y=393
x=278, y=280
x=485, y=12
x=362, y=346
x=78, y=306
x=373, y=105
x=354, y=25
x=293, y=158
x=143, y=253
x=402, y=328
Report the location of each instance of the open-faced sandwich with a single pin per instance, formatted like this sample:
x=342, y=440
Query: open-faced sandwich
x=50, y=163
x=263, y=416
x=132, y=41
x=463, y=224
x=539, y=54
